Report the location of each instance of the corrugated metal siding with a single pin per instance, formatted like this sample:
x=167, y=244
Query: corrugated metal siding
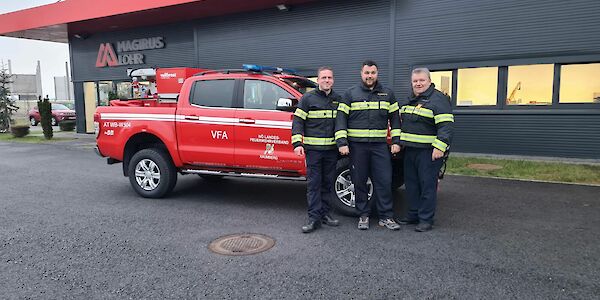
x=444, y=31
x=179, y=51
x=344, y=33
x=568, y=135
x=340, y=34
x=462, y=31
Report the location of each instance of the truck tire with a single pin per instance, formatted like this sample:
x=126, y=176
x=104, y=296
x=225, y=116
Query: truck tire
x=152, y=173
x=343, y=196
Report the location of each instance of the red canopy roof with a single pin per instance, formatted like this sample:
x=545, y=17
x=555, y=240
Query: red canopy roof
x=55, y=22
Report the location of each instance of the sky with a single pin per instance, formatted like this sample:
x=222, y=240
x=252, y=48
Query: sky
x=24, y=53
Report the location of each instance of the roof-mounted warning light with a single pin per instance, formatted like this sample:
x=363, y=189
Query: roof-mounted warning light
x=259, y=68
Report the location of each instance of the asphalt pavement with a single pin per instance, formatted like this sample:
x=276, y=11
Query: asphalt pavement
x=72, y=227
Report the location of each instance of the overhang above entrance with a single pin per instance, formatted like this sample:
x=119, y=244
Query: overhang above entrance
x=80, y=18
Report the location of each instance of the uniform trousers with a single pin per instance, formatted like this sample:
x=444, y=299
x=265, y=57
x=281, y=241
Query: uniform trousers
x=320, y=173
x=372, y=159
x=421, y=180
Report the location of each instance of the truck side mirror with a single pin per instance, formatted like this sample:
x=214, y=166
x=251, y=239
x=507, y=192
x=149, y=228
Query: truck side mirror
x=286, y=104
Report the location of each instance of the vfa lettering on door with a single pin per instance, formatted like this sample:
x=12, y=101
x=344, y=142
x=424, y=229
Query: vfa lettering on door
x=219, y=134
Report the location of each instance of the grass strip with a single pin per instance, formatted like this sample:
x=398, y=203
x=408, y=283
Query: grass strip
x=524, y=169
x=31, y=138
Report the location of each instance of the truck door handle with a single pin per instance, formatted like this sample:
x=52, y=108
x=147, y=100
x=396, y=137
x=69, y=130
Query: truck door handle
x=247, y=121
x=191, y=118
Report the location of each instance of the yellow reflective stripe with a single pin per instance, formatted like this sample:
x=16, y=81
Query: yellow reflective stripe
x=322, y=114
x=343, y=107
x=444, y=118
x=440, y=145
x=395, y=132
x=408, y=109
x=417, y=138
x=367, y=133
x=318, y=141
x=394, y=107
x=300, y=113
x=296, y=138
x=369, y=105
x=341, y=134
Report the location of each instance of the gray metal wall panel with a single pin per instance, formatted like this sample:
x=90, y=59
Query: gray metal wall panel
x=463, y=32
x=340, y=34
x=446, y=31
x=563, y=135
x=178, y=52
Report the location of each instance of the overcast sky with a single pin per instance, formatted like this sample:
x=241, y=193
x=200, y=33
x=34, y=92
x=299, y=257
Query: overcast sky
x=24, y=54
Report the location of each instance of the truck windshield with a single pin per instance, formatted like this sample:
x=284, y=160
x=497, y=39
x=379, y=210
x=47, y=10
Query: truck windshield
x=302, y=85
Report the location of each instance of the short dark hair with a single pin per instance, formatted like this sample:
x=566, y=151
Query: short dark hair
x=323, y=68
x=369, y=63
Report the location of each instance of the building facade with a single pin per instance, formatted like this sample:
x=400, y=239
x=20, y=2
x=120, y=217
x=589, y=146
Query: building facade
x=522, y=75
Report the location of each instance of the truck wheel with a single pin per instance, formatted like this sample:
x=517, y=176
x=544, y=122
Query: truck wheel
x=32, y=121
x=53, y=121
x=152, y=173
x=343, y=197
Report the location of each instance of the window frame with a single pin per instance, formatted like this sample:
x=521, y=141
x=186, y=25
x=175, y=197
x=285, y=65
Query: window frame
x=234, y=98
x=501, y=92
x=242, y=93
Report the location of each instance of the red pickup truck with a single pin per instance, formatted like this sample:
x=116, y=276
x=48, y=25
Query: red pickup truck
x=223, y=123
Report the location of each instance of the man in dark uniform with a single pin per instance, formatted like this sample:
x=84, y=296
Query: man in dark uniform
x=362, y=122
x=313, y=136
x=426, y=135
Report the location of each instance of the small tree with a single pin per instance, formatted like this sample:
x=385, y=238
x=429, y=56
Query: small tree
x=45, y=109
x=7, y=104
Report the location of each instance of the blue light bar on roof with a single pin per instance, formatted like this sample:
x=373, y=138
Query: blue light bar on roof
x=259, y=68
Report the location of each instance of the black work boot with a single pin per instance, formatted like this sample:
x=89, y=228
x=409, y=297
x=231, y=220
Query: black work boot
x=329, y=220
x=311, y=226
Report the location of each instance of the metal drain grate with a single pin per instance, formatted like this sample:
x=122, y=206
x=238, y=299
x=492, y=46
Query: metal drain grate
x=241, y=244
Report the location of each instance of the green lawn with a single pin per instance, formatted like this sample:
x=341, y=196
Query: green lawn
x=31, y=138
x=520, y=169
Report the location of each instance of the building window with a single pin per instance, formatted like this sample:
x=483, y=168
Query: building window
x=530, y=85
x=477, y=86
x=442, y=81
x=579, y=83
x=104, y=90
x=124, y=90
x=260, y=94
x=213, y=93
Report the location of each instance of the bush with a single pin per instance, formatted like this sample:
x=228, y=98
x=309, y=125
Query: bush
x=45, y=109
x=67, y=125
x=19, y=131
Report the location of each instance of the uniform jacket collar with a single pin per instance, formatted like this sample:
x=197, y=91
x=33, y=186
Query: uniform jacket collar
x=377, y=88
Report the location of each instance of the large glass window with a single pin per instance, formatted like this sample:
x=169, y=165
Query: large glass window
x=213, y=93
x=477, y=86
x=580, y=83
x=442, y=81
x=260, y=94
x=124, y=90
x=104, y=89
x=530, y=85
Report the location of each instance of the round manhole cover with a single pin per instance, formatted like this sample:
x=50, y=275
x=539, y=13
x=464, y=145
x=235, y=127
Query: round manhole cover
x=241, y=244
x=484, y=167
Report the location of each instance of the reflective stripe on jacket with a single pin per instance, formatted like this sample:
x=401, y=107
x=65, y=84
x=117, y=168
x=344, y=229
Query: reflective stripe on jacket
x=364, y=115
x=427, y=120
x=314, y=120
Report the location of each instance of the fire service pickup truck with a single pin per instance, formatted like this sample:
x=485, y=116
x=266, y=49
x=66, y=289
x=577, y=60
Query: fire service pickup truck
x=221, y=123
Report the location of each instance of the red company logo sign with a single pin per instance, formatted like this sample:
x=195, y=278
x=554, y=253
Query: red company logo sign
x=129, y=52
x=106, y=56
